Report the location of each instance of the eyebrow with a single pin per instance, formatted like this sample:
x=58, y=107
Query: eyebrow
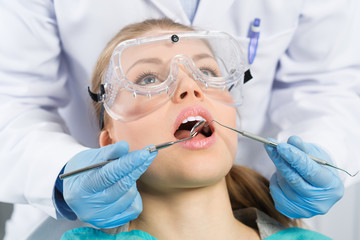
x=158, y=61
x=145, y=60
x=201, y=56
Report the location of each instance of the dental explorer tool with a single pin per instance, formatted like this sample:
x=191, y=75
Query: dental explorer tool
x=193, y=132
x=274, y=144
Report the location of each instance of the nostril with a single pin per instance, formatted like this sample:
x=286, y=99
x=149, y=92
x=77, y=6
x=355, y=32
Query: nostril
x=183, y=95
x=197, y=94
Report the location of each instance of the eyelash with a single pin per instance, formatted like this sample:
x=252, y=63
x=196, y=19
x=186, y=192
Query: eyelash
x=142, y=75
x=213, y=70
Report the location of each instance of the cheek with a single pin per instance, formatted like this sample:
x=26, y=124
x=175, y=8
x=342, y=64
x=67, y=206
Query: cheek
x=233, y=144
x=230, y=138
x=138, y=134
x=126, y=133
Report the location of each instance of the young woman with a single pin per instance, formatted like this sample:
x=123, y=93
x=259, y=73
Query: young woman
x=155, y=80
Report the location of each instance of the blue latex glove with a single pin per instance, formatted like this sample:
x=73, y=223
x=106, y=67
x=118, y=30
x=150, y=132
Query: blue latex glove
x=106, y=197
x=300, y=187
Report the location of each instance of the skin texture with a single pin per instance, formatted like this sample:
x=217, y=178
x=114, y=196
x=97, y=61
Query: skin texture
x=184, y=188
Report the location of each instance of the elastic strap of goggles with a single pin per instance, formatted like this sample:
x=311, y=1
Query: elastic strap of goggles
x=99, y=97
x=247, y=76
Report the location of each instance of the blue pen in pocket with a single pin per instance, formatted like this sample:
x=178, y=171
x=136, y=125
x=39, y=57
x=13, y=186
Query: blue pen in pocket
x=254, y=38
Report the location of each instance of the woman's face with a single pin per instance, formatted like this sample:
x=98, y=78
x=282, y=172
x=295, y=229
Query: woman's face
x=201, y=161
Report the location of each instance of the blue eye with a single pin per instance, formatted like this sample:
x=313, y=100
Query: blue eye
x=206, y=73
x=146, y=79
x=209, y=72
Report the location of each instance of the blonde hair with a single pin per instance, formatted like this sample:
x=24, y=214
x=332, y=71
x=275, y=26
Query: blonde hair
x=246, y=187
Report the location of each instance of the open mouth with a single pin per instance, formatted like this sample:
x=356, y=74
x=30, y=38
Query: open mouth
x=185, y=127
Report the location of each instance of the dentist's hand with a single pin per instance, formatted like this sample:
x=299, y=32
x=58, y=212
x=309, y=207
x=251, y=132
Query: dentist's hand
x=300, y=187
x=106, y=197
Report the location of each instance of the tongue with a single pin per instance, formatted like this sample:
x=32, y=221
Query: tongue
x=180, y=134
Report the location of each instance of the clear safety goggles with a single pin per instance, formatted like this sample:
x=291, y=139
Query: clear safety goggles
x=144, y=73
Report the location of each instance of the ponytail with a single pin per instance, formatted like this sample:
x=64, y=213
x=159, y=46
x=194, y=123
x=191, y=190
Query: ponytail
x=247, y=188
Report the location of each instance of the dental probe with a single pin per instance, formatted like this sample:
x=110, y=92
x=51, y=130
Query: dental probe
x=274, y=144
x=154, y=148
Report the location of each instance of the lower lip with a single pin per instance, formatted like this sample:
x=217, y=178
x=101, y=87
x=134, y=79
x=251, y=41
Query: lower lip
x=198, y=142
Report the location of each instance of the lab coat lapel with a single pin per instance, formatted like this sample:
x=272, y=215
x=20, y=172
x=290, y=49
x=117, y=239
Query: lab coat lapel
x=215, y=9
x=172, y=9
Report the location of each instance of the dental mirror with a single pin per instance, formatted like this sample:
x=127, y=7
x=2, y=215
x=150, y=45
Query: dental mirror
x=197, y=128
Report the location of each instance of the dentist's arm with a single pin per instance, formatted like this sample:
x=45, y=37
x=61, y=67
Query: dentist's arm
x=35, y=142
x=317, y=85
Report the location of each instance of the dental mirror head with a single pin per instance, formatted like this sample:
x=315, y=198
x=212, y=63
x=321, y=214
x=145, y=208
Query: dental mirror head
x=197, y=128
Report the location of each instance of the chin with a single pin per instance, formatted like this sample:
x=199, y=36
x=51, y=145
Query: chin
x=205, y=173
x=200, y=181
x=189, y=172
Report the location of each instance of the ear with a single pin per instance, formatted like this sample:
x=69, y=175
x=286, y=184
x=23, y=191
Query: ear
x=105, y=138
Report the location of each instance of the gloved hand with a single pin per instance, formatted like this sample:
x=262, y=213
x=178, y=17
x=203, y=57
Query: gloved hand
x=106, y=197
x=300, y=187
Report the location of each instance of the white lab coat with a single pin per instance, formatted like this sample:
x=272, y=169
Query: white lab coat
x=306, y=82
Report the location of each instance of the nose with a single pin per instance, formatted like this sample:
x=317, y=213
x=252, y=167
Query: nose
x=187, y=89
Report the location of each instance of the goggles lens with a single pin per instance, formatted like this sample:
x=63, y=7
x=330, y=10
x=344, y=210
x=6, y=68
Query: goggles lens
x=144, y=72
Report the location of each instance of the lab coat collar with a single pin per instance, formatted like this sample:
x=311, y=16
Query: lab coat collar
x=167, y=8
x=205, y=9
x=211, y=9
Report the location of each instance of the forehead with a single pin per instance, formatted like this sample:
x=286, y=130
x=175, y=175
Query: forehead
x=166, y=49
x=159, y=32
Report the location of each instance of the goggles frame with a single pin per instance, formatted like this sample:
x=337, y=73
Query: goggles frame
x=114, y=70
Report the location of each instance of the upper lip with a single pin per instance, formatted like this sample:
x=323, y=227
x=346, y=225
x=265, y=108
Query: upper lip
x=192, y=112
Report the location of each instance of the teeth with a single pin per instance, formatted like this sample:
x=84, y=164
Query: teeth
x=190, y=119
x=193, y=118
